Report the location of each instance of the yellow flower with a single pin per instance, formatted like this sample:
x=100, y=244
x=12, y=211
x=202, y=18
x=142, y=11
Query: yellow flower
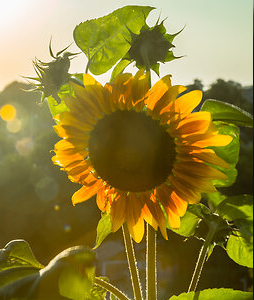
x=138, y=149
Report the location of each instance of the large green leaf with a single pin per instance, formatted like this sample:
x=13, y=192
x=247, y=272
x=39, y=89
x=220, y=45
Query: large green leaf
x=223, y=111
x=69, y=275
x=16, y=254
x=214, y=294
x=103, y=229
x=18, y=268
x=106, y=40
x=229, y=153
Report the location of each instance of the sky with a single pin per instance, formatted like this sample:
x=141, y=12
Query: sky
x=217, y=41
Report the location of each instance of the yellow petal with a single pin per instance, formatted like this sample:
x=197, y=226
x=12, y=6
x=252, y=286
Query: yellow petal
x=157, y=91
x=218, y=140
x=195, y=183
x=101, y=200
x=167, y=98
x=86, y=192
x=99, y=95
x=184, y=192
x=192, y=168
x=121, y=90
x=195, y=123
x=140, y=86
x=117, y=212
x=185, y=104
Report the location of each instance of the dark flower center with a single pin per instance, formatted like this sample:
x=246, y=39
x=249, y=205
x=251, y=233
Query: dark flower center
x=130, y=151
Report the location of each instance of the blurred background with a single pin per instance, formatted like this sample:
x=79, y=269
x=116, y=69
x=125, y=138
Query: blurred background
x=35, y=196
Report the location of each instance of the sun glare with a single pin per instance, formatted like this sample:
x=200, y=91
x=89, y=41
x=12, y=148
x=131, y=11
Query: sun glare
x=10, y=11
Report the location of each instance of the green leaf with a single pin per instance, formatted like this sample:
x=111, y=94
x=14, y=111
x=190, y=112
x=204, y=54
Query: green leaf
x=240, y=249
x=119, y=68
x=223, y=111
x=212, y=294
x=77, y=274
x=18, y=268
x=56, y=108
x=236, y=207
x=18, y=253
x=106, y=40
x=103, y=229
x=214, y=199
x=191, y=219
x=70, y=274
x=65, y=90
x=240, y=210
x=229, y=153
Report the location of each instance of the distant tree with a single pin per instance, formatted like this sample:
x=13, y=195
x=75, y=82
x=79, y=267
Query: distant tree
x=196, y=85
x=228, y=91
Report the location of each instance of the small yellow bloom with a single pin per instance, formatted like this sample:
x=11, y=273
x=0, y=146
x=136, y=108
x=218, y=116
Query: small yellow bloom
x=138, y=149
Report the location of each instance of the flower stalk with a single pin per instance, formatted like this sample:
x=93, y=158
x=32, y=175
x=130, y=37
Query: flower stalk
x=110, y=288
x=132, y=263
x=202, y=256
x=151, y=286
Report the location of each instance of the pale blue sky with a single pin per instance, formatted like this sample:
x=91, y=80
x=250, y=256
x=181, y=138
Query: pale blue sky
x=216, y=42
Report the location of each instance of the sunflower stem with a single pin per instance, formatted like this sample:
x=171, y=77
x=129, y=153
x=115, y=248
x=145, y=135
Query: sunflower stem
x=132, y=263
x=202, y=257
x=110, y=288
x=151, y=288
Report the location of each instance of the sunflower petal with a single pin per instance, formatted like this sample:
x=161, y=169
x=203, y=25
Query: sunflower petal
x=157, y=91
x=86, y=192
x=117, y=211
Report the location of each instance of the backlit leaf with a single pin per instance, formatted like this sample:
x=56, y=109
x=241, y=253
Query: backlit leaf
x=223, y=111
x=212, y=294
x=229, y=153
x=103, y=229
x=106, y=40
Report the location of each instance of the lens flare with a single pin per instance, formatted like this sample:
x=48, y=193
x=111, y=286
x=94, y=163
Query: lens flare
x=24, y=146
x=14, y=125
x=8, y=112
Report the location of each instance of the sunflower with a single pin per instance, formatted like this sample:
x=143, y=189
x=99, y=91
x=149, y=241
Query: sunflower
x=142, y=151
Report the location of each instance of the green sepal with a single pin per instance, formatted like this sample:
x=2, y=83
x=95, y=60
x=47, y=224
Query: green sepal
x=103, y=229
x=119, y=68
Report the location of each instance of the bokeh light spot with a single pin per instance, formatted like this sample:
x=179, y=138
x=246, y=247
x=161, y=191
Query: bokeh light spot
x=56, y=207
x=46, y=188
x=14, y=125
x=8, y=112
x=67, y=228
x=24, y=146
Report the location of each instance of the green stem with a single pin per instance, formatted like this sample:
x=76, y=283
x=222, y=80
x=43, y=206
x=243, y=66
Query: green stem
x=132, y=263
x=202, y=257
x=151, y=264
x=110, y=288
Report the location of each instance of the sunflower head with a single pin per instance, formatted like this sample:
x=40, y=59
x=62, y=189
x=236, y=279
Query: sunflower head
x=141, y=151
